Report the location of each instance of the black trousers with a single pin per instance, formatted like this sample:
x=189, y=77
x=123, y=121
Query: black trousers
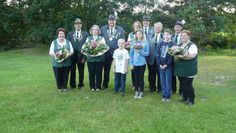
x=186, y=85
x=95, y=74
x=133, y=77
x=75, y=61
x=139, y=77
x=154, y=77
x=61, y=76
x=107, y=68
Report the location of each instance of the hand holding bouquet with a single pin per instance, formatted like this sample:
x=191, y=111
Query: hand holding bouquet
x=62, y=54
x=127, y=45
x=94, y=48
x=176, y=50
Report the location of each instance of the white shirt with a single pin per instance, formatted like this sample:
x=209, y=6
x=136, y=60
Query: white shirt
x=78, y=32
x=51, y=51
x=120, y=56
x=158, y=37
x=178, y=38
x=193, y=49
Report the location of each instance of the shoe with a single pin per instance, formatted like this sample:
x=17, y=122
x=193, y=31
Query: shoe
x=158, y=91
x=92, y=89
x=80, y=86
x=59, y=90
x=184, y=101
x=104, y=87
x=140, y=95
x=163, y=99
x=115, y=92
x=136, y=94
x=151, y=91
x=97, y=90
x=168, y=100
x=190, y=103
x=133, y=88
x=65, y=90
x=122, y=94
x=72, y=86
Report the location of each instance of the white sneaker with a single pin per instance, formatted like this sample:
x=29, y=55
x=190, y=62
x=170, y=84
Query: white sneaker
x=167, y=100
x=140, y=95
x=97, y=90
x=163, y=99
x=92, y=89
x=136, y=94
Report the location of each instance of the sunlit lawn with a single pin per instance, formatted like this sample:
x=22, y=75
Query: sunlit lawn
x=30, y=103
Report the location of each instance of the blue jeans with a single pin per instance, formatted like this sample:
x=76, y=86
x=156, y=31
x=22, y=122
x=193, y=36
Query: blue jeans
x=166, y=82
x=120, y=82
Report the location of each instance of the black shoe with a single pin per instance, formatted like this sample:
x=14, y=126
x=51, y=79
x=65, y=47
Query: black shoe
x=151, y=91
x=173, y=92
x=104, y=87
x=122, y=94
x=184, y=101
x=115, y=92
x=80, y=86
x=72, y=86
x=190, y=103
x=159, y=91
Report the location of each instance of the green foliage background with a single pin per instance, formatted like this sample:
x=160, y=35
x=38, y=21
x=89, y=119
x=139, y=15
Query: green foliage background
x=32, y=22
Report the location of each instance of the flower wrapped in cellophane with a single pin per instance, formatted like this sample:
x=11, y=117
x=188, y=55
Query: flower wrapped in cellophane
x=94, y=48
x=176, y=50
x=61, y=54
x=138, y=46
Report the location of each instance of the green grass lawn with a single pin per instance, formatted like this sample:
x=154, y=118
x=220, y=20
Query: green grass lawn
x=30, y=103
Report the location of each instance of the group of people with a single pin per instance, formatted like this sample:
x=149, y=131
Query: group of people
x=145, y=45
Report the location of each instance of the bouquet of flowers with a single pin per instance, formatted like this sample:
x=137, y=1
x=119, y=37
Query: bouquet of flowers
x=176, y=50
x=138, y=46
x=94, y=48
x=61, y=55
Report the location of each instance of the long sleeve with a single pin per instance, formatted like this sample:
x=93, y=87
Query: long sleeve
x=131, y=56
x=158, y=52
x=145, y=51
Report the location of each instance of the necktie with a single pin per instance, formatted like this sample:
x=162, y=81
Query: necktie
x=111, y=31
x=176, y=39
x=145, y=30
x=77, y=35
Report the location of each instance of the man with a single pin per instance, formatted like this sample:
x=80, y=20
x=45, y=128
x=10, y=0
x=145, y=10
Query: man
x=112, y=33
x=147, y=30
x=77, y=39
x=153, y=71
x=176, y=38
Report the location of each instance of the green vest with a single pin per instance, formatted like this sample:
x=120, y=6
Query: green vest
x=186, y=68
x=67, y=61
x=100, y=58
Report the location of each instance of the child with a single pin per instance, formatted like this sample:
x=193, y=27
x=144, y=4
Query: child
x=138, y=51
x=165, y=62
x=120, y=65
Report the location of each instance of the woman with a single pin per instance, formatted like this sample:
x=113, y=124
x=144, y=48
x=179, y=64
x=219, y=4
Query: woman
x=186, y=67
x=136, y=26
x=139, y=50
x=95, y=63
x=61, y=50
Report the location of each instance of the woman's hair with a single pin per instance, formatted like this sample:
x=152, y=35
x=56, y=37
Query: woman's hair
x=140, y=30
x=61, y=29
x=97, y=27
x=139, y=24
x=188, y=32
